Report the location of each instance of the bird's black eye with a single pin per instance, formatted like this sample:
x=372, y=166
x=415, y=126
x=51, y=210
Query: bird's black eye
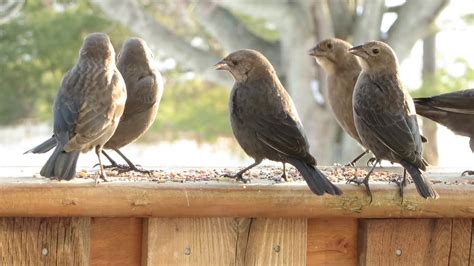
x=235, y=62
x=329, y=45
x=375, y=51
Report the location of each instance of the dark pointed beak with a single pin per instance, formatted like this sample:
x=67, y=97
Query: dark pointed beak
x=221, y=65
x=315, y=52
x=359, y=51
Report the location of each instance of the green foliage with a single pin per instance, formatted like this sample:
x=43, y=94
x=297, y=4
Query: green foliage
x=37, y=48
x=193, y=108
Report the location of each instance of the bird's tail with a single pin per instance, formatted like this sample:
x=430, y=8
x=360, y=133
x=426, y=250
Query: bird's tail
x=44, y=147
x=423, y=185
x=61, y=164
x=316, y=180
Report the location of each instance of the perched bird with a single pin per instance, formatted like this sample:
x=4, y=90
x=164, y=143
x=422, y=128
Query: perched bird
x=144, y=90
x=385, y=116
x=342, y=71
x=264, y=119
x=454, y=110
x=87, y=108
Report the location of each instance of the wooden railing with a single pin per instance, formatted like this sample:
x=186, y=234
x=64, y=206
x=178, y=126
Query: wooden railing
x=228, y=223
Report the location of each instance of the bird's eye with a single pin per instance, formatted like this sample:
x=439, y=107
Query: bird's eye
x=235, y=62
x=329, y=45
x=375, y=51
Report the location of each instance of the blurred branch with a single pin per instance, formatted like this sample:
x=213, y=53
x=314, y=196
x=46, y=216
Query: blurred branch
x=415, y=17
x=272, y=10
x=342, y=16
x=132, y=14
x=9, y=9
x=367, y=24
x=232, y=34
x=324, y=25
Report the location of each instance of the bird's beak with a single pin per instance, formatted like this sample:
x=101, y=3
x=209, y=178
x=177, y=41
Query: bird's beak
x=359, y=51
x=315, y=52
x=221, y=65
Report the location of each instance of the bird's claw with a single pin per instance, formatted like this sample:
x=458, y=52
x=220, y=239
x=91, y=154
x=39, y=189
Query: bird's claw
x=359, y=182
x=278, y=179
x=467, y=172
x=238, y=177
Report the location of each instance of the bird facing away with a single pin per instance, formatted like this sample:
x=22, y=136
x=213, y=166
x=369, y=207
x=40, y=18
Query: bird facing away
x=144, y=90
x=454, y=110
x=264, y=119
x=385, y=116
x=87, y=108
x=342, y=71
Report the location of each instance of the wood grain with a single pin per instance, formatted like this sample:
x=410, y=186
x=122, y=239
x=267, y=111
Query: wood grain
x=212, y=199
x=277, y=242
x=405, y=241
x=332, y=242
x=116, y=241
x=194, y=241
x=44, y=241
x=460, y=241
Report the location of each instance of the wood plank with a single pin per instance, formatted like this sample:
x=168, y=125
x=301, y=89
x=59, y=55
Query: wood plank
x=332, y=242
x=277, y=242
x=405, y=241
x=213, y=199
x=471, y=260
x=44, y=241
x=194, y=241
x=461, y=242
x=116, y=241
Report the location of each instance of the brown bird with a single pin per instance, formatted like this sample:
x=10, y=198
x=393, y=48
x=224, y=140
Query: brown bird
x=264, y=119
x=87, y=108
x=385, y=116
x=144, y=91
x=454, y=110
x=342, y=71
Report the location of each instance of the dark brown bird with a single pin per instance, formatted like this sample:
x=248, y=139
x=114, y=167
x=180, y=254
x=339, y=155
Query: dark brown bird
x=87, y=108
x=385, y=116
x=342, y=71
x=144, y=91
x=454, y=110
x=264, y=119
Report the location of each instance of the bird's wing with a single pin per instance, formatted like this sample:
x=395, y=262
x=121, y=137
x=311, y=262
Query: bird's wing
x=461, y=102
x=398, y=131
x=283, y=134
x=66, y=109
x=146, y=93
x=99, y=110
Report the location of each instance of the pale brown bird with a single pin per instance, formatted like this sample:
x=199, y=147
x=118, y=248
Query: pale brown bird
x=144, y=90
x=264, y=119
x=342, y=71
x=87, y=108
x=385, y=116
x=454, y=110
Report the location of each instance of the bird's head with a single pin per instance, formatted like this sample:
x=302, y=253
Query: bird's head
x=375, y=55
x=135, y=54
x=245, y=64
x=97, y=46
x=333, y=54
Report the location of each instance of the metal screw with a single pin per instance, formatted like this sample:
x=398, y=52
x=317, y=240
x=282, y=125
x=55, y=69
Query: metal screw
x=398, y=252
x=276, y=248
x=44, y=251
x=187, y=251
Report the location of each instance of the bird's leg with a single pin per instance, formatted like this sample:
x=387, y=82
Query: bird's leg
x=113, y=163
x=283, y=175
x=373, y=162
x=401, y=183
x=238, y=175
x=131, y=166
x=365, y=181
x=353, y=162
x=467, y=172
x=102, y=175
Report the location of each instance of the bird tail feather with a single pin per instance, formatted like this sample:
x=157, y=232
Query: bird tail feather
x=44, y=147
x=316, y=180
x=423, y=185
x=61, y=164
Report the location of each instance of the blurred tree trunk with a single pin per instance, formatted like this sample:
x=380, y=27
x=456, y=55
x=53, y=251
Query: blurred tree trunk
x=9, y=9
x=429, y=127
x=300, y=25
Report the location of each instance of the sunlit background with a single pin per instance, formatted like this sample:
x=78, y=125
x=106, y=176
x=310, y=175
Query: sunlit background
x=39, y=42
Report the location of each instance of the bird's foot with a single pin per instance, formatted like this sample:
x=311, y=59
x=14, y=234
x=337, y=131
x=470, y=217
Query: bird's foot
x=467, y=172
x=372, y=161
x=126, y=168
x=102, y=176
x=401, y=183
x=359, y=182
x=238, y=177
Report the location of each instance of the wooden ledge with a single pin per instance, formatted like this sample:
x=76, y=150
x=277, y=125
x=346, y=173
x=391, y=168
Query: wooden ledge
x=28, y=196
